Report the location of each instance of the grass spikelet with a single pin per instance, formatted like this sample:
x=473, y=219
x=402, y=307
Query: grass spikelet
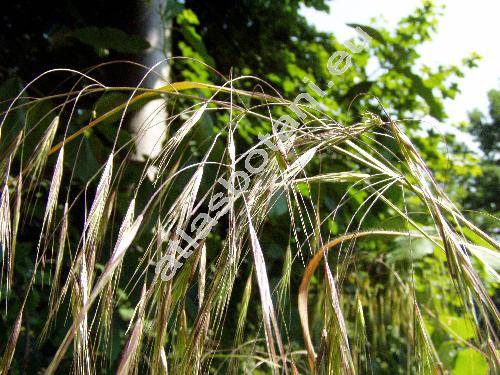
x=130, y=229
x=128, y=220
x=39, y=157
x=11, y=344
x=9, y=155
x=284, y=283
x=177, y=138
x=269, y=318
x=55, y=185
x=360, y=335
x=459, y=263
x=202, y=278
x=93, y=221
x=54, y=290
x=308, y=273
x=429, y=358
x=15, y=226
x=202, y=274
x=323, y=350
x=132, y=351
x=298, y=165
x=5, y=231
x=242, y=316
x=90, y=238
x=118, y=253
x=339, y=332
x=81, y=345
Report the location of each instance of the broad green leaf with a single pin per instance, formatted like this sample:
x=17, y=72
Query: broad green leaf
x=459, y=325
x=436, y=109
x=374, y=33
x=413, y=248
x=110, y=38
x=470, y=362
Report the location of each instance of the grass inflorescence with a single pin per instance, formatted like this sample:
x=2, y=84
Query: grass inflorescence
x=97, y=223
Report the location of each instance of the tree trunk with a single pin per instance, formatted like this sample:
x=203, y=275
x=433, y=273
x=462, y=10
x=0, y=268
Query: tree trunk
x=148, y=124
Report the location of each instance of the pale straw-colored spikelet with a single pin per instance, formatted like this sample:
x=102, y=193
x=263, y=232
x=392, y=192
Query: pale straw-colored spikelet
x=11, y=344
x=181, y=209
x=54, y=290
x=127, y=233
x=298, y=165
x=40, y=154
x=82, y=342
x=79, y=323
x=242, y=317
x=202, y=274
x=51, y=205
x=5, y=230
x=177, y=138
x=424, y=346
x=342, y=342
x=271, y=328
x=128, y=220
x=8, y=155
x=93, y=220
x=91, y=230
x=15, y=226
x=55, y=185
x=131, y=353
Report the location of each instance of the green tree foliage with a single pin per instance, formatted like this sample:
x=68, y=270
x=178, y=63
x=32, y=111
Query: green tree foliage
x=487, y=131
x=484, y=189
